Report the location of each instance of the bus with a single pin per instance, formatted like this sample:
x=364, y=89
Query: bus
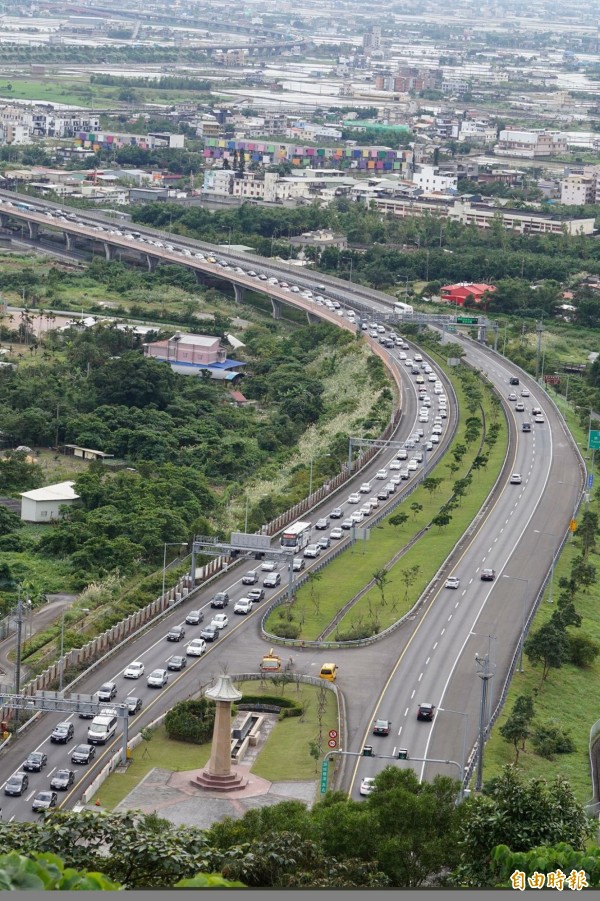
x=402, y=308
x=296, y=536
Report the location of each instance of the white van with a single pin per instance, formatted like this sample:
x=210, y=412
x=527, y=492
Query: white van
x=102, y=729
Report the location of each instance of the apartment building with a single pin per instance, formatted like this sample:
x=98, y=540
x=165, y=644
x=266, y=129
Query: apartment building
x=581, y=187
x=477, y=132
x=531, y=144
x=431, y=180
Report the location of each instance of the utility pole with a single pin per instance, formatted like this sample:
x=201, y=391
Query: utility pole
x=485, y=675
x=539, y=329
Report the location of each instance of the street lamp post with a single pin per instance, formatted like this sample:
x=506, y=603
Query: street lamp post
x=164, y=572
x=522, y=639
x=310, y=481
x=62, y=644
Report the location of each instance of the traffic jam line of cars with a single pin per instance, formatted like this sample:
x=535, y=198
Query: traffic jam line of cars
x=104, y=724
x=81, y=749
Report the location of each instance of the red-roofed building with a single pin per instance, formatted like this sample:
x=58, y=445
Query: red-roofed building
x=457, y=294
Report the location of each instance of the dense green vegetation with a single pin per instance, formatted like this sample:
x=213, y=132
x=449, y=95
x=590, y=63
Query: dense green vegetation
x=191, y=447
x=406, y=834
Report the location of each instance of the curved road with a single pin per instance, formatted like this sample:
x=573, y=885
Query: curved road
x=430, y=659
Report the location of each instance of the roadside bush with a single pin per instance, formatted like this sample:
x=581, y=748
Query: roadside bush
x=355, y=632
x=582, y=650
x=191, y=721
x=549, y=739
x=288, y=629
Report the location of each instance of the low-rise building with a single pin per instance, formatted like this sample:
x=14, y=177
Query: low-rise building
x=532, y=143
x=457, y=294
x=190, y=354
x=44, y=504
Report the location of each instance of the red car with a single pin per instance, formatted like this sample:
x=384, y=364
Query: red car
x=381, y=727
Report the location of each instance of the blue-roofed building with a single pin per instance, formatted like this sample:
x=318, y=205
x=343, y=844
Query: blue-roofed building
x=193, y=354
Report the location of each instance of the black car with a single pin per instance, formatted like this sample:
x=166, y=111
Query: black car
x=220, y=600
x=488, y=575
x=425, y=712
x=17, y=784
x=36, y=762
x=83, y=754
x=513, y=380
x=44, y=800
x=107, y=692
x=62, y=780
x=176, y=663
x=134, y=705
x=194, y=617
x=381, y=727
x=176, y=633
x=256, y=594
x=209, y=633
x=63, y=733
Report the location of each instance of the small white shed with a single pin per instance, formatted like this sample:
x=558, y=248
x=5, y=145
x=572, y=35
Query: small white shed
x=43, y=504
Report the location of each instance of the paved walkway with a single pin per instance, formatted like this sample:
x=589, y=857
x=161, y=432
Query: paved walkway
x=177, y=798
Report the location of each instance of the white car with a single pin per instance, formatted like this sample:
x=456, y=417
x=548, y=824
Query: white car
x=336, y=533
x=354, y=498
x=220, y=621
x=366, y=510
x=435, y=439
x=382, y=474
x=515, y=478
x=365, y=488
x=374, y=502
x=367, y=785
x=452, y=582
x=268, y=566
x=539, y=417
x=431, y=377
x=395, y=464
x=158, y=678
x=134, y=670
x=357, y=516
x=412, y=465
x=525, y=392
x=196, y=647
x=423, y=418
x=437, y=429
x=402, y=454
x=243, y=606
x=396, y=479
x=313, y=550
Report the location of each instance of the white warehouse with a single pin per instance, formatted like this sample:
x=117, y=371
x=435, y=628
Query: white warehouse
x=43, y=504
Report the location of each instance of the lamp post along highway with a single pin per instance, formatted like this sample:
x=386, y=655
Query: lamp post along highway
x=164, y=572
x=522, y=638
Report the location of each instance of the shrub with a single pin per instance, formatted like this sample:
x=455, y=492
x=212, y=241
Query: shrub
x=549, y=739
x=191, y=721
x=582, y=650
x=288, y=629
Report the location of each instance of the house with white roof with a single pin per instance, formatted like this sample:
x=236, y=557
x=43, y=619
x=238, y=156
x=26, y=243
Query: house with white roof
x=44, y=504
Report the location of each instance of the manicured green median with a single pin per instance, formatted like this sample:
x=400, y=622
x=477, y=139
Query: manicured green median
x=322, y=597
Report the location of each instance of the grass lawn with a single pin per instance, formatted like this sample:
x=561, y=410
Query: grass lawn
x=565, y=696
x=284, y=757
x=320, y=599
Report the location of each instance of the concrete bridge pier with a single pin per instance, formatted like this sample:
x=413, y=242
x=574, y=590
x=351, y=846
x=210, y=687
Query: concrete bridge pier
x=200, y=276
x=4, y=220
x=312, y=318
x=152, y=262
x=109, y=251
x=277, y=305
x=69, y=240
x=33, y=230
x=240, y=292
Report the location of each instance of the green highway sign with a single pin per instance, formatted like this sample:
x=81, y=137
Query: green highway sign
x=594, y=440
x=467, y=320
x=324, y=776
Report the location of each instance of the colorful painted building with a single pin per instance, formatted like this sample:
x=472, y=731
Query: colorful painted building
x=376, y=159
